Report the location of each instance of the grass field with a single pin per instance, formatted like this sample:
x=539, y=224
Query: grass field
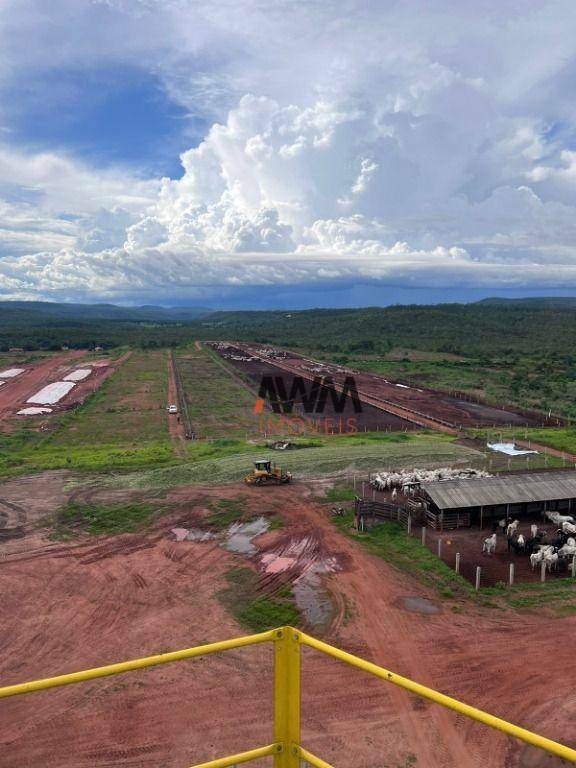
x=336, y=455
x=563, y=439
x=532, y=382
x=123, y=425
x=218, y=404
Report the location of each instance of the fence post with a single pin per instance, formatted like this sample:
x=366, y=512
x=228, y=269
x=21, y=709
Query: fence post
x=457, y=566
x=374, y=494
x=423, y=535
x=574, y=567
x=354, y=482
x=439, y=548
x=287, y=696
x=409, y=524
x=363, y=484
x=543, y=571
x=478, y=572
x=511, y=576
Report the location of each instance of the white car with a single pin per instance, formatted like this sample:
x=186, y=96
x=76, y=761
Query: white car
x=172, y=409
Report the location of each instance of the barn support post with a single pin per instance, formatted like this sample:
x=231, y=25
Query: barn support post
x=481, y=517
x=457, y=565
x=543, y=571
x=374, y=494
x=423, y=535
x=574, y=567
x=511, y=575
x=439, y=548
x=478, y=573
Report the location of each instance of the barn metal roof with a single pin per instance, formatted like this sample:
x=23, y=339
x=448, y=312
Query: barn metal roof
x=508, y=489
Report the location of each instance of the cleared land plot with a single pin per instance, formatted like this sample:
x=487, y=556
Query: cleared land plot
x=144, y=593
x=370, y=418
x=123, y=424
x=219, y=405
x=455, y=411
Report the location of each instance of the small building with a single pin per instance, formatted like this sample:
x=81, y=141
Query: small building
x=478, y=501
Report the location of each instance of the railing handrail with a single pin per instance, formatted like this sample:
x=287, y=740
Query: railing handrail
x=286, y=749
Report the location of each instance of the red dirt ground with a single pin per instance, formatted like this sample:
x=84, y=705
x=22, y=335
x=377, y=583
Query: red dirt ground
x=370, y=418
x=75, y=605
x=16, y=391
x=425, y=404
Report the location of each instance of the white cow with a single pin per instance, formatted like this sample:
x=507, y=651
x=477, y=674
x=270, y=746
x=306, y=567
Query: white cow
x=489, y=545
x=551, y=559
x=558, y=519
x=535, y=558
x=511, y=530
x=569, y=528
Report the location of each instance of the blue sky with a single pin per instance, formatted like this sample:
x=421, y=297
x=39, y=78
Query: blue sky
x=112, y=115
x=281, y=154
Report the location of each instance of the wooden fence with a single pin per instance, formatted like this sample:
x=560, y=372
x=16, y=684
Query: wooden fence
x=367, y=513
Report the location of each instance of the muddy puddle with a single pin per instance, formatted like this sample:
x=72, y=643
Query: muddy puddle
x=419, y=605
x=191, y=534
x=314, y=601
x=238, y=538
x=300, y=561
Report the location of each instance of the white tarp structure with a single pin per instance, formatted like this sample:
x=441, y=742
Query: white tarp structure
x=34, y=411
x=52, y=393
x=79, y=375
x=10, y=373
x=509, y=449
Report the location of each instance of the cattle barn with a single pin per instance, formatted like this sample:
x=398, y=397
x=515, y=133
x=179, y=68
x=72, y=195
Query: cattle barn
x=478, y=501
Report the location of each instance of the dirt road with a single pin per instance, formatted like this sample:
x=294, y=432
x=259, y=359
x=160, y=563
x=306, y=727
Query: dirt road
x=68, y=606
x=175, y=424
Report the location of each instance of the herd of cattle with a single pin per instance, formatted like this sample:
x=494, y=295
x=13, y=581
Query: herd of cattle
x=555, y=550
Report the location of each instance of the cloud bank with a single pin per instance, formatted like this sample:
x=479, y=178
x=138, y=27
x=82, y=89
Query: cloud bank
x=351, y=143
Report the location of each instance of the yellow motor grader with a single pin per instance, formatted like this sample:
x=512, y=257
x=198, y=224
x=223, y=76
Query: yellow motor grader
x=264, y=473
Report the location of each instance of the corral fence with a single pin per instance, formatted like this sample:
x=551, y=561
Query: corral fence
x=457, y=545
x=367, y=513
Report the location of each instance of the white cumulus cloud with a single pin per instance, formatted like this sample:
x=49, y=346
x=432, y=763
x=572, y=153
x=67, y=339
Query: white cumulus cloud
x=351, y=141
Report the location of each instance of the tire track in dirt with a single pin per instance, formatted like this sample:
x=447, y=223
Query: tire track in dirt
x=380, y=627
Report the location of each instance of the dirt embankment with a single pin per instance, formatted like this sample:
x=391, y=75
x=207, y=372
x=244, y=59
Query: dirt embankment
x=72, y=606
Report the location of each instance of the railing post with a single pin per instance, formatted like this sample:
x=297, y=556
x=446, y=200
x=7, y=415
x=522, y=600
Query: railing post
x=287, y=697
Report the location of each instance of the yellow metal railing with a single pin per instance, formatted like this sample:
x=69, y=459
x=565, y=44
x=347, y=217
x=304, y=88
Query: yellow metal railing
x=286, y=749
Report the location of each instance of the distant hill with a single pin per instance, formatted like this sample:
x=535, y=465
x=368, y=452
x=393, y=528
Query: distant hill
x=33, y=311
x=544, y=326
x=565, y=302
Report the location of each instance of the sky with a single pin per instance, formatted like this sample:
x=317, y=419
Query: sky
x=287, y=153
